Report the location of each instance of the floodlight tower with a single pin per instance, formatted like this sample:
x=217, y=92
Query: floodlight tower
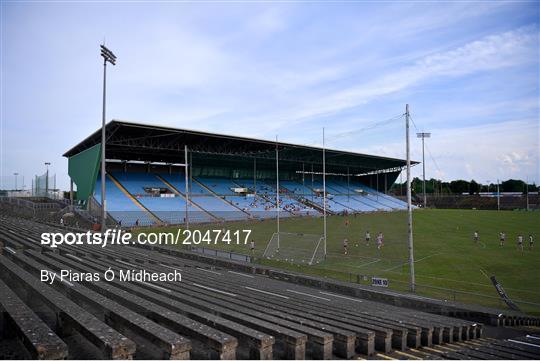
x=15, y=174
x=108, y=56
x=423, y=136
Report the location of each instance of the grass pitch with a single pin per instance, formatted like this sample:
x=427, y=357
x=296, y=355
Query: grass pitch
x=448, y=263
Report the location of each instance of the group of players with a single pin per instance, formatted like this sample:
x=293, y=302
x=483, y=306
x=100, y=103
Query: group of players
x=379, y=240
x=502, y=240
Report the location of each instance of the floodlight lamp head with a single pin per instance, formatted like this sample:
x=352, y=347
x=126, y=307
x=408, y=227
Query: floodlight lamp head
x=108, y=55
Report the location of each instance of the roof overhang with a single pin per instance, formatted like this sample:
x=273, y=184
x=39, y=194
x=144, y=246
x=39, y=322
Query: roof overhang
x=151, y=143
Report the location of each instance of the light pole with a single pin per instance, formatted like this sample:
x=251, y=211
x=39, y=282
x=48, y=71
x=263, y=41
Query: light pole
x=488, y=181
x=108, y=56
x=412, y=280
x=423, y=136
x=15, y=174
x=498, y=196
x=47, y=164
x=527, y=192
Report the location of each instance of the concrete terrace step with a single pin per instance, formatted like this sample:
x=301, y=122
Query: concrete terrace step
x=112, y=344
x=21, y=322
x=224, y=310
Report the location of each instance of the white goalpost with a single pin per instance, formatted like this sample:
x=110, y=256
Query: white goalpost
x=299, y=248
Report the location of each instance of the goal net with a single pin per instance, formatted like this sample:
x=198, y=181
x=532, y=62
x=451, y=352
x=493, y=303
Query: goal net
x=299, y=248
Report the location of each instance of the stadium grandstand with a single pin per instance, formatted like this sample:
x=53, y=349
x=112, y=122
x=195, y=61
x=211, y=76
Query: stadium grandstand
x=163, y=175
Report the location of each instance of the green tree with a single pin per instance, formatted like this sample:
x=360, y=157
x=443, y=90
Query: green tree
x=459, y=186
x=474, y=187
x=513, y=185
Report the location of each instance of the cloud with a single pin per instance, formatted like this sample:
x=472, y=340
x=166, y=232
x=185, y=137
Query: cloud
x=265, y=69
x=493, y=52
x=502, y=150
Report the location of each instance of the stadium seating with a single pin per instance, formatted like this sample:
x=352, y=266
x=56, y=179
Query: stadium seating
x=353, y=203
x=214, y=198
x=120, y=206
x=385, y=199
x=201, y=196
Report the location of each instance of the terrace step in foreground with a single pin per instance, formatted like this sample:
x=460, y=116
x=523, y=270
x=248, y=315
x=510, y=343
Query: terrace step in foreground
x=221, y=310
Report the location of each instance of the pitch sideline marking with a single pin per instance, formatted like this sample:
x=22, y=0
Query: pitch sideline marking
x=418, y=260
x=365, y=264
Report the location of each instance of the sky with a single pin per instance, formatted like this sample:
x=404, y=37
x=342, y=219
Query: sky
x=468, y=70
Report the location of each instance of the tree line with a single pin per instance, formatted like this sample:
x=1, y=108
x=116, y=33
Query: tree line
x=460, y=186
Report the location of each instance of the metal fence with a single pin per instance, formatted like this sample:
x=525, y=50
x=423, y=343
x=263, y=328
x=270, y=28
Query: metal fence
x=30, y=203
x=444, y=293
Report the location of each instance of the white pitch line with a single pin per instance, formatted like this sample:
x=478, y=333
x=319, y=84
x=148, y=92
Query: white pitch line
x=418, y=260
x=241, y=274
x=393, y=268
x=365, y=264
x=339, y=296
x=268, y=293
x=206, y=270
x=214, y=290
x=426, y=257
x=307, y=294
